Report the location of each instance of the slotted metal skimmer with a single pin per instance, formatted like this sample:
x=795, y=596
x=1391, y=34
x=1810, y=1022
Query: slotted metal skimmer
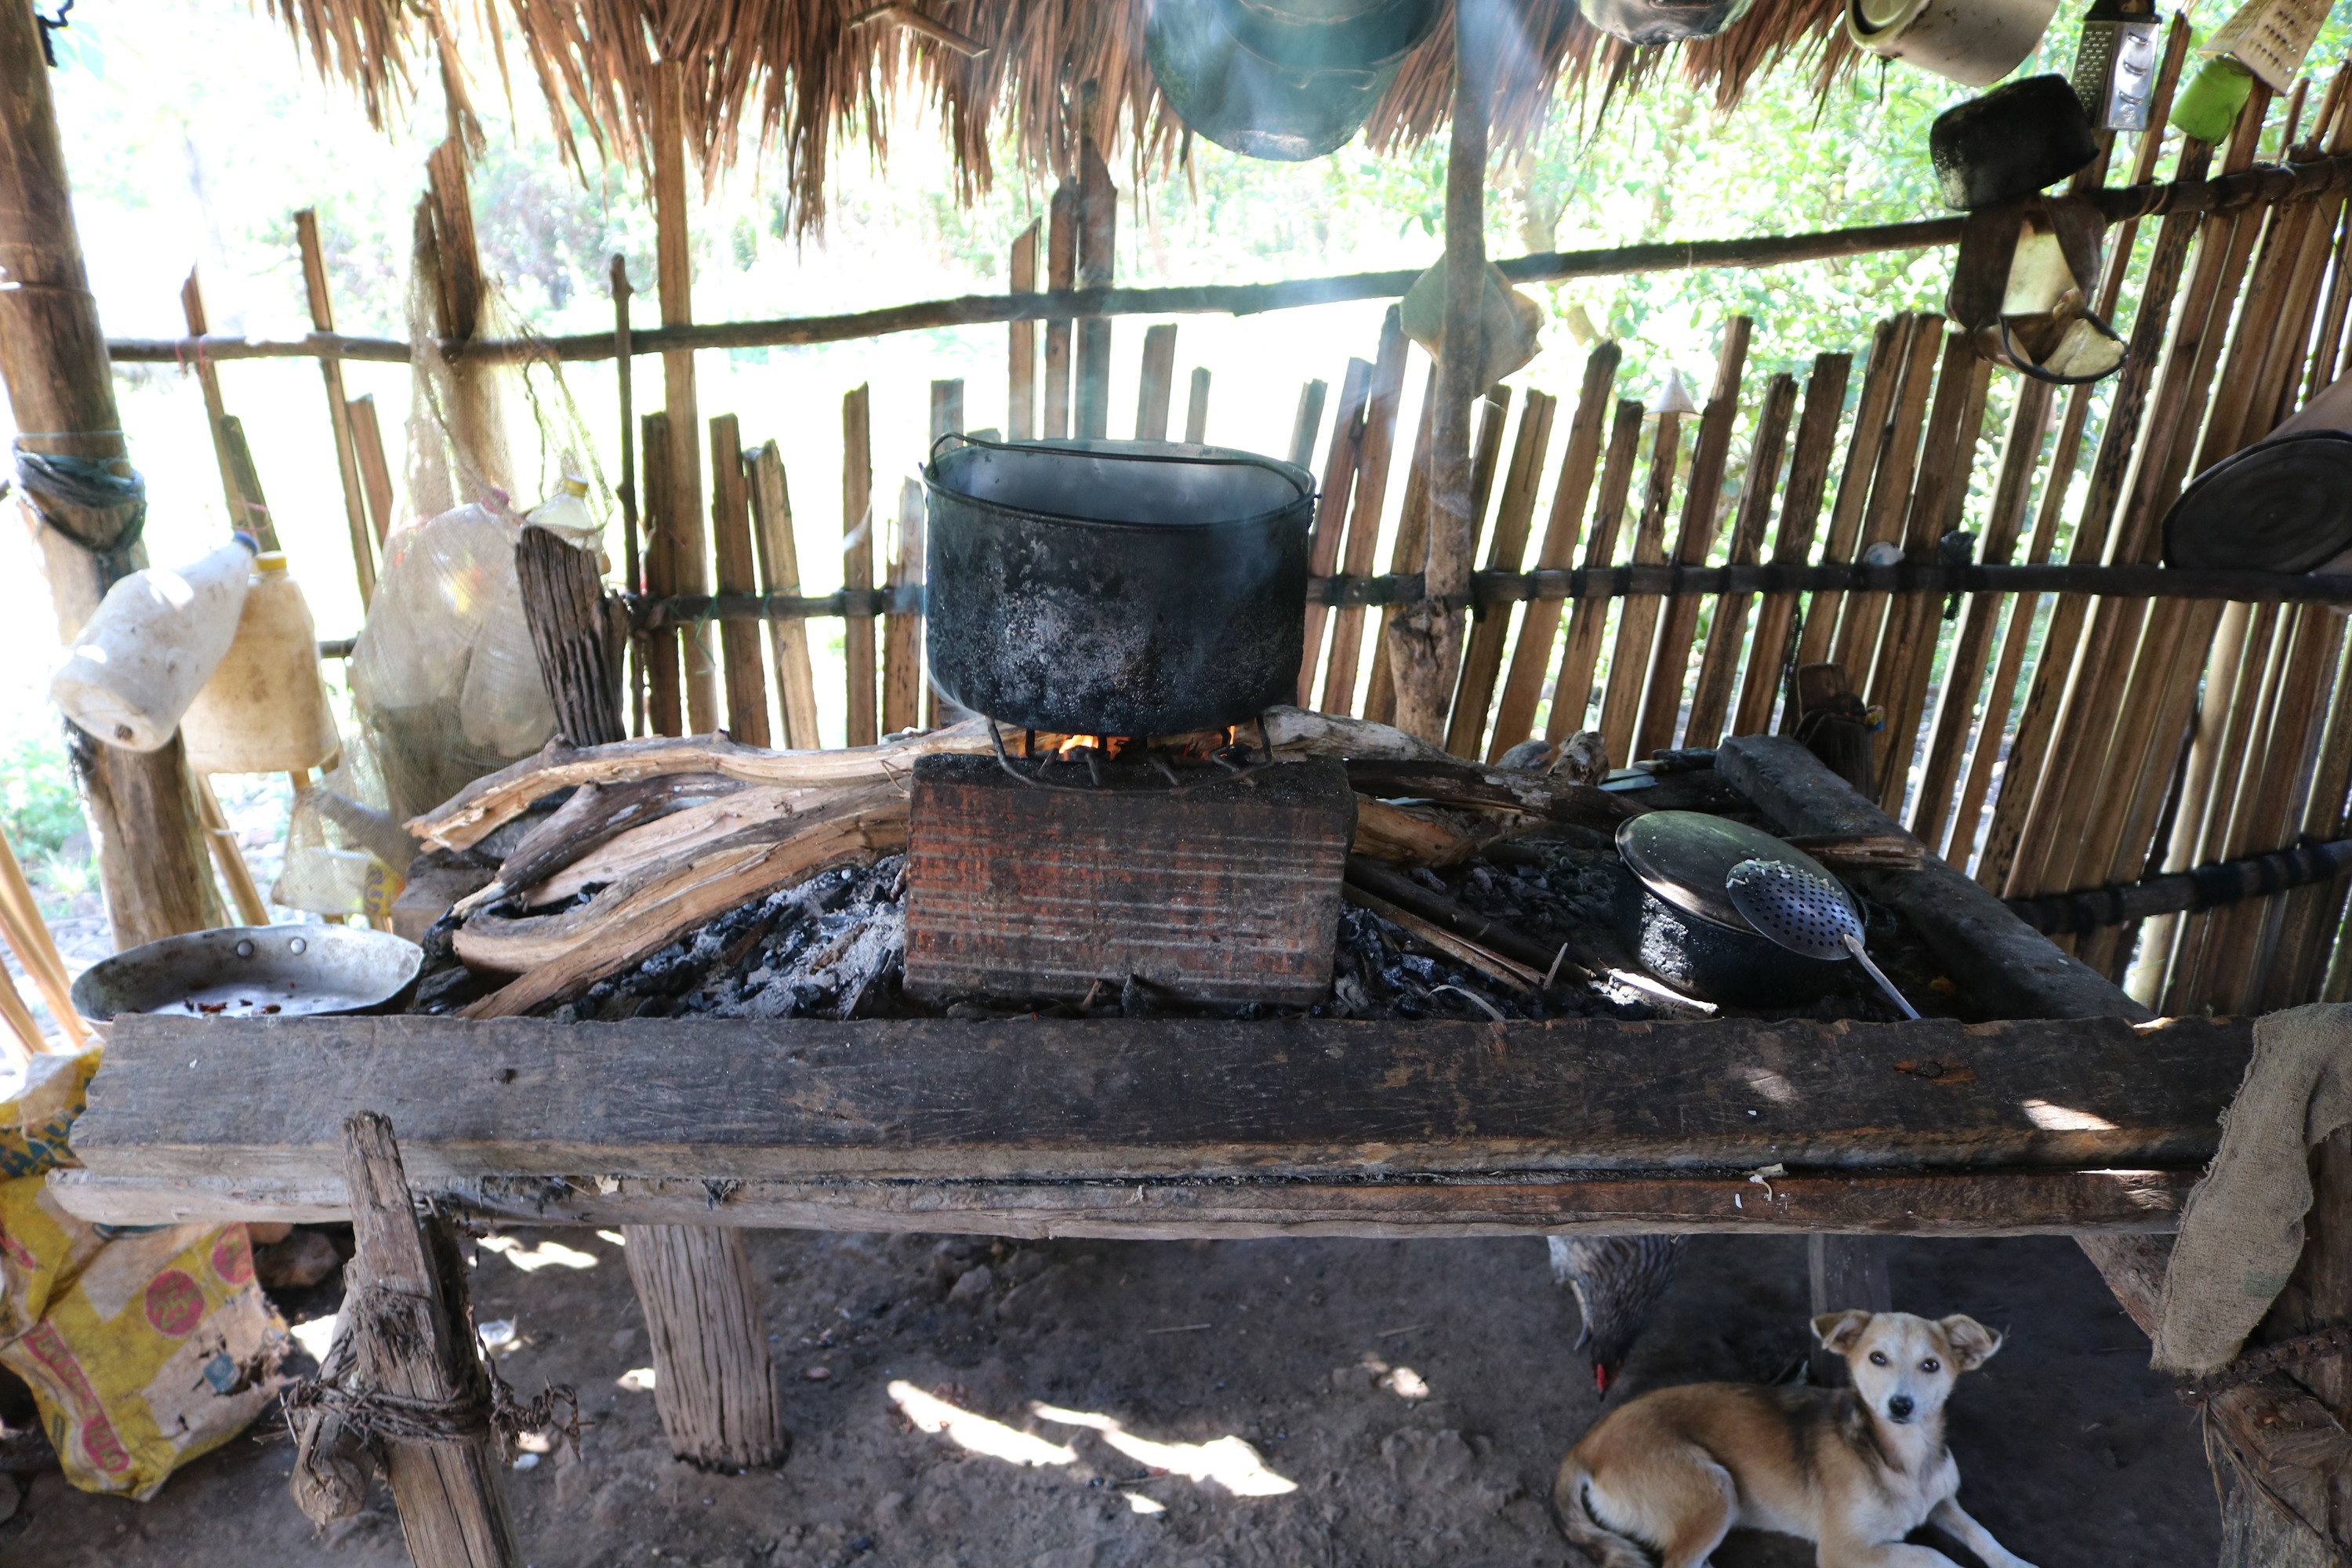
x=1805, y=914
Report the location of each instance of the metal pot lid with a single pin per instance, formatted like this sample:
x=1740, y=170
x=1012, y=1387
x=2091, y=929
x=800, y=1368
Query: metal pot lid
x=2277, y=507
x=1685, y=857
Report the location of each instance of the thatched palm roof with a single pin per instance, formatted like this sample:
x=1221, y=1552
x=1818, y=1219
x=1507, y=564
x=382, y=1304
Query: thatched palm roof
x=797, y=75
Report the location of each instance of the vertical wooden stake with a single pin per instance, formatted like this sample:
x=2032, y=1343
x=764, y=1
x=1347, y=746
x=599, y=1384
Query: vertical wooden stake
x=731, y=529
x=1482, y=662
x=632, y=567
x=911, y=570
x=1339, y=674
x=416, y=1342
x=256, y=519
x=192, y=309
x=657, y=651
x=227, y=856
x=689, y=545
x=150, y=842
x=576, y=633
x=1021, y=345
x=858, y=564
x=1637, y=619
x=1331, y=513
x=1156, y=387
x=1303, y=425
x=1097, y=269
x=36, y=949
x=713, y=1380
x=347, y=462
x=376, y=472
x=780, y=576
x=1196, y=413
x=1061, y=274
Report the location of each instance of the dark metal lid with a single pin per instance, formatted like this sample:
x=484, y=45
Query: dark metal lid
x=1685, y=857
x=2278, y=507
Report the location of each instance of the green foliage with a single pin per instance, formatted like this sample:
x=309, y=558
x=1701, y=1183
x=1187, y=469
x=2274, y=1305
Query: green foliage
x=38, y=805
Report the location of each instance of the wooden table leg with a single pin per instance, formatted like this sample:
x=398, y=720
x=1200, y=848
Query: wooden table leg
x=1848, y=1272
x=418, y=1343
x=714, y=1382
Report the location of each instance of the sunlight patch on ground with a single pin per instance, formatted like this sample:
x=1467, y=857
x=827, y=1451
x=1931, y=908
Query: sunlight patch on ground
x=637, y=1380
x=530, y=1260
x=1228, y=1461
x=977, y=1434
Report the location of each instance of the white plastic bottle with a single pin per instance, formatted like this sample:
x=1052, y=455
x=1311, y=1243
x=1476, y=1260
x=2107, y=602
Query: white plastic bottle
x=565, y=514
x=153, y=643
x=265, y=710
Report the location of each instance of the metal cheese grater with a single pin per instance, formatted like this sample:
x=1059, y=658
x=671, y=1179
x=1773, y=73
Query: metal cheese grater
x=2115, y=65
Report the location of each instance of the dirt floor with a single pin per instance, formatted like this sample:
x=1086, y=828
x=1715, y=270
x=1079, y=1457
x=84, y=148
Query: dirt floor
x=1242, y=1404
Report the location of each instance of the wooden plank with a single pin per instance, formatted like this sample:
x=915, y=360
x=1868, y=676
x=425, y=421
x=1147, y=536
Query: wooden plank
x=1061, y=273
x=1040, y=1100
x=339, y=414
x=2122, y=1203
x=1727, y=628
x=1304, y=422
x=658, y=649
x=1097, y=247
x=858, y=563
x=1339, y=468
x=1339, y=674
x=731, y=533
x=1571, y=694
x=780, y=574
x=375, y=469
x=1481, y=661
x=1637, y=620
x=1196, y=415
x=1531, y=659
x=1020, y=341
x=1156, y=385
x=1669, y=660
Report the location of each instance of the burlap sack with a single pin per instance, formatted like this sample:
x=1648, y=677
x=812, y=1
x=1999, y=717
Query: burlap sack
x=2242, y=1229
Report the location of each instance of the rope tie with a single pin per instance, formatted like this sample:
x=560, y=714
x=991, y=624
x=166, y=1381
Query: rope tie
x=85, y=500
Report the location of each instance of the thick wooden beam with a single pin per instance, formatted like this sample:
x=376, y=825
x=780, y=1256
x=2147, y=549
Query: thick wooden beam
x=151, y=855
x=529, y=1107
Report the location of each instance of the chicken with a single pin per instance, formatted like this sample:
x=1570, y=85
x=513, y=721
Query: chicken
x=1619, y=1281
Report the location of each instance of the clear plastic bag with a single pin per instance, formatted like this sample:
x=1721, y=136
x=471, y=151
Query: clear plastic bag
x=443, y=674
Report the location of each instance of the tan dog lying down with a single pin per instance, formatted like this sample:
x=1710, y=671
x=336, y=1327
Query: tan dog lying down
x=1854, y=1470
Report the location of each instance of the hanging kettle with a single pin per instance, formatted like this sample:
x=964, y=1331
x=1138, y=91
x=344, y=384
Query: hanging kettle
x=1281, y=80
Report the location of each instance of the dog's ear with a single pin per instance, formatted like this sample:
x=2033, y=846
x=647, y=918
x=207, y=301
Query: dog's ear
x=1841, y=1331
x=1972, y=1343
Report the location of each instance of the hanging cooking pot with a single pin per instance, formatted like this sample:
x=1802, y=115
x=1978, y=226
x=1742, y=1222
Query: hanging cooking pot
x=2278, y=505
x=1115, y=587
x=1285, y=80
x=1676, y=914
x=1972, y=42
x=1649, y=23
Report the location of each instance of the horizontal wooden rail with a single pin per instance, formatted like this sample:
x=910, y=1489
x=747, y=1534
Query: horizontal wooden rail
x=2200, y=888
x=1489, y=588
x=2257, y=187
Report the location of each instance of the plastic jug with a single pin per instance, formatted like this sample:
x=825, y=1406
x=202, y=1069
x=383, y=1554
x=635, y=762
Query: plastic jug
x=265, y=709
x=565, y=514
x=153, y=643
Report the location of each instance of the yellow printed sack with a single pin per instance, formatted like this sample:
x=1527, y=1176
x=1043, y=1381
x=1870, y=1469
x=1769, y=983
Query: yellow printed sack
x=146, y=1346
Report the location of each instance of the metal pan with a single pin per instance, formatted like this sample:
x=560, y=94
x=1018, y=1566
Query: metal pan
x=254, y=971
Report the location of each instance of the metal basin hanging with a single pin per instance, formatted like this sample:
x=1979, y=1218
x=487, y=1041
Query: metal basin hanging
x=1285, y=80
x=1115, y=587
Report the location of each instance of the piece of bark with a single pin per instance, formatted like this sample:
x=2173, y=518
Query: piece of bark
x=578, y=632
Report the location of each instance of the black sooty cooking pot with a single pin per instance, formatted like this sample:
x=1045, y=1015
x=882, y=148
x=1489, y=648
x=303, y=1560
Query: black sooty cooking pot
x=1115, y=587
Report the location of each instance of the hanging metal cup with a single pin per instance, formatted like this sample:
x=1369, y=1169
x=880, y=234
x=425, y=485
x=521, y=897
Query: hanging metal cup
x=2020, y=284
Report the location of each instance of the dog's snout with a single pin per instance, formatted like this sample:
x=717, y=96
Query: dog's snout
x=1900, y=1408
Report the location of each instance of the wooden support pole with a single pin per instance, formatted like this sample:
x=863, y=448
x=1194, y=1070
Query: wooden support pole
x=1637, y=621
x=689, y=544
x=151, y=840
x=1571, y=696
x=657, y=650
x=1339, y=465
x=780, y=572
x=857, y=563
x=903, y=681
x=1196, y=414
x=1156, y=386
x=1879, y=377
x=1097, y=266
x=632, y=561
x=192, y=309
x=1482, y=663
x=1061, y=273
x=1424, y=639
x=448, y=252
x=1356, y=556
x=1801, y=510
x=376, y=470
x=1021, y=343
x=415, y=1341
x=1727, y=629
x=714, y=1382
x=730, y=532
x=338, y=414
x=1303, y=424
x=234, y=871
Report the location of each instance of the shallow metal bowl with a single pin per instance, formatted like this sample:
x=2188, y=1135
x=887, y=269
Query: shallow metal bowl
x=254, y=971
